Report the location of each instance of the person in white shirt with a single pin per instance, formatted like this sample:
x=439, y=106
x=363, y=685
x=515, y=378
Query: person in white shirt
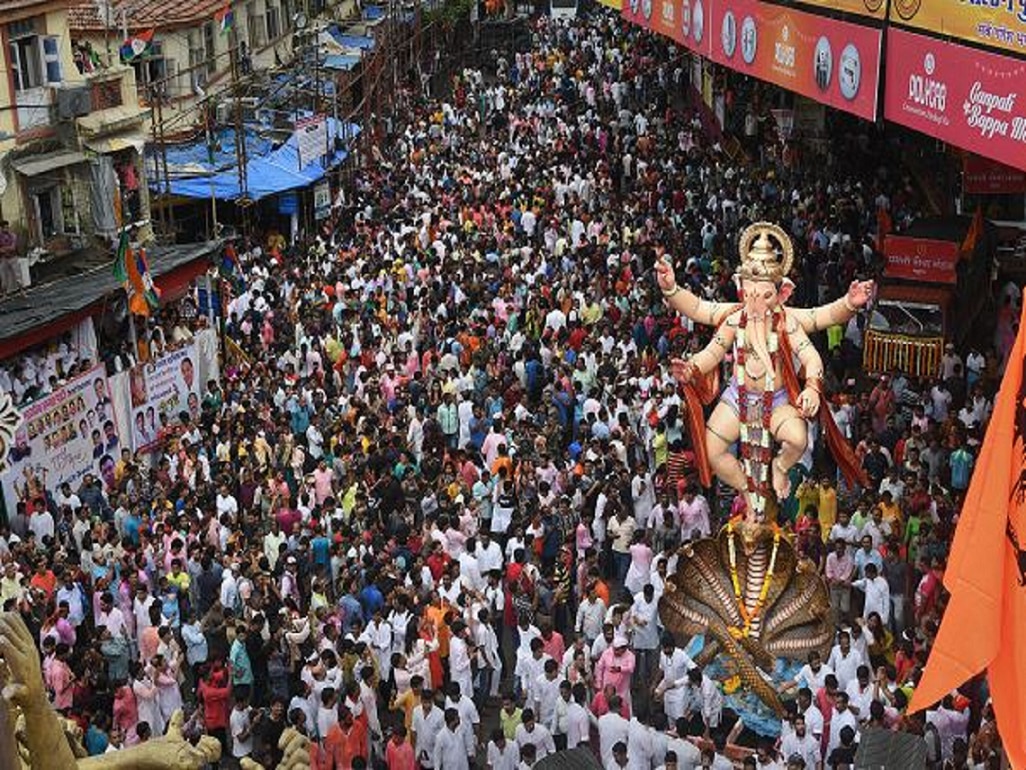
x=427, y=723
x=460, y=654
x=111, y=617
x=488, y=553
x=674, y=664
x=470, y=718
x=612, y=729
x=530, y=664
x=471, y=577
x=621, y=760
x=643, y=620
x=453, y=744
x=41, y=525
x=241, y=727
x=842, y=717
x=705, y=692
x=639, y=745
x=843, y=660
x=799, y=742
x=689, y=756
x=578, y=719
x=226, y=504
x=860, y=693
x=812, y=675
x=501, y=754
x=327, y=711
x=591, y=614
x=529, y=731
x=546, y=695
x=878, y=593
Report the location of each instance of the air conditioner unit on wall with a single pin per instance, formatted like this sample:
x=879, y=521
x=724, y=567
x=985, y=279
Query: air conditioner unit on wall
x=74, y=102
x=225, y=112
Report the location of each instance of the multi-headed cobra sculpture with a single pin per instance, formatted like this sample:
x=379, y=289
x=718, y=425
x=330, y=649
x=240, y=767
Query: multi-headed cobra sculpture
x=746, y=589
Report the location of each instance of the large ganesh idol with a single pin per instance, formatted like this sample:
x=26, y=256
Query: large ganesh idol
x=746, y=589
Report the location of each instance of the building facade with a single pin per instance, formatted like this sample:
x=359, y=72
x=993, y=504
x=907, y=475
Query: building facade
x=71, y=140
x=189, y=59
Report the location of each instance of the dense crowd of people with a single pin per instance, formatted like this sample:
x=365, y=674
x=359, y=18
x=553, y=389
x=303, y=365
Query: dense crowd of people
x=450, y=473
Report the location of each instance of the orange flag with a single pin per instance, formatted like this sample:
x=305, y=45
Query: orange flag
x=985, y=623
x=973, y=234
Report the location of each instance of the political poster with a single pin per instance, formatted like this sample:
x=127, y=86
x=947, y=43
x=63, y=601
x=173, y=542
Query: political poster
x=161, y=390
x=311, y=139
x=62, y=437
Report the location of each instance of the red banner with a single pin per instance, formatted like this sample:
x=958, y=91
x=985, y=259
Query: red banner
x=964, y=97
x=982, y=176
x=829, y=61
x=685, y=21
x=920, y=259
x=639, y=12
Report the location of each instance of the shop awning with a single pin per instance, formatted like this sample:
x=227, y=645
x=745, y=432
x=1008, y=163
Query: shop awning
x=105, y=145
x=42, y=311
x=40, y=164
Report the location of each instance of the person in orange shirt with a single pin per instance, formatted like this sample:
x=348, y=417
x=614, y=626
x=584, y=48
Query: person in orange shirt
x=436, y=614
x=399, y=753
x=44, y=579
x=347, y=740
x=602, y=590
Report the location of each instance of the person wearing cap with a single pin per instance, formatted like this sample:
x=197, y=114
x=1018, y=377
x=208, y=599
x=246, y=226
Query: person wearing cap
x=615, y=668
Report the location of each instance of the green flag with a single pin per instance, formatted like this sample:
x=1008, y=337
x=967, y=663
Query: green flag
x=120, y=268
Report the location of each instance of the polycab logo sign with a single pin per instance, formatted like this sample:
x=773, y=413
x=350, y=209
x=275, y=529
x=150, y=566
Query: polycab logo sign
x=928, y=96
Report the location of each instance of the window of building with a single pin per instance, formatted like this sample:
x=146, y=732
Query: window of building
x=286, y=15
x=46, y=205
x=273, y=23
x=254, y=26
x=51, y=59
x=197, y=71
x=35, y=60
x=210, y=47
x=151, y=70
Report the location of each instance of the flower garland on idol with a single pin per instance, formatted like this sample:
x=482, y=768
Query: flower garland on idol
x=749, y=616
x=756, y=438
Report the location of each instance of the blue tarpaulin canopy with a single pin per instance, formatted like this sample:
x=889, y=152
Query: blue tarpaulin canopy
x=340, y=62
x=269, y=174
x=195, y=157
x=373, y=12
x=362, y=42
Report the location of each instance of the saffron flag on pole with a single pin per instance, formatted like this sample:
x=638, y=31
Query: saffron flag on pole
x=143, y=294
x=973, y=235
x=984, y=626
x=225, y=19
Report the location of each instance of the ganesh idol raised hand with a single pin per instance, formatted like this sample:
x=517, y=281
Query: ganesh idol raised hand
x=765, y=404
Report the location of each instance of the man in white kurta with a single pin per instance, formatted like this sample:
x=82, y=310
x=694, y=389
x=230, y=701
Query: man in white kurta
x=674, y=664
x=453, y=745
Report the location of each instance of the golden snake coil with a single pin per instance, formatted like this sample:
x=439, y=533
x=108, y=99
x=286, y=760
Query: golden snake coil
x=793, y=620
